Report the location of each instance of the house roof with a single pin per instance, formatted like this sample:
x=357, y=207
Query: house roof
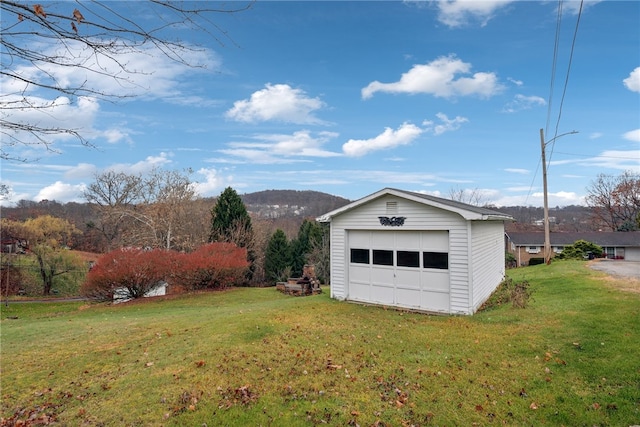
x=468, y=212
x=610, y=238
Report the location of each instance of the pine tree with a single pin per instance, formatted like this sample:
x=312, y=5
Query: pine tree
x=230, y=221
x=309, y=235
x=277, y=257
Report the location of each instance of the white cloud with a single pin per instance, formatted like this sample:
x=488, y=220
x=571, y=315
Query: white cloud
x=81, y=171
x=518, y=171
x=610, y=159
x=457, y=13
x=278, y=102
x=515, y=82
x=632, y=135
x=573, y=7
x=142, y=166
x=523, y=102
x=596, y=135
x=213, y=182
x=61, y=192
x=560, y=198
x=280, y=148
x=390, y=138
x=152, y=75
x=633, y=81
x=446, y=124
x=440, y=78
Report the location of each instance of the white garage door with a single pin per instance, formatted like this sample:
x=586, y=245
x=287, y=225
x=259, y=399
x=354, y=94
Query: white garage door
x=400, y=268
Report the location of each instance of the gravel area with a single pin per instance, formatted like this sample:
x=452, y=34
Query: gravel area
x=622, y=268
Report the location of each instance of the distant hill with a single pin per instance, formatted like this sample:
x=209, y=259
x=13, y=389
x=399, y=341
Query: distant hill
x=287, y=203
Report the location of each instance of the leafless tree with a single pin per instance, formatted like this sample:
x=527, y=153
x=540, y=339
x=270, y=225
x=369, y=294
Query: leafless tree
x=615, y=201
x=143, y=210
x=42, y=42
x=471, y=197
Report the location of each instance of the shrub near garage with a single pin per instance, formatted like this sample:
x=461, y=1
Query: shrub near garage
x=212, y=266
x=137, y=271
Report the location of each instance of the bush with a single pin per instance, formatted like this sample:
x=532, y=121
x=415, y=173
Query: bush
x=212, y=266
x=580, y=250
x=516, y=293
x=133, y=271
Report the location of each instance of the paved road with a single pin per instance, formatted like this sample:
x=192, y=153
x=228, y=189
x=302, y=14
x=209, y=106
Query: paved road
x=617, y=267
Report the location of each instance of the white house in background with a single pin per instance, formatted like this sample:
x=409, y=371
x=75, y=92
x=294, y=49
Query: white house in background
x=410, y=250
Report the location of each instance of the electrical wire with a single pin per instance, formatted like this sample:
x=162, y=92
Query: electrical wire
x=566, y=81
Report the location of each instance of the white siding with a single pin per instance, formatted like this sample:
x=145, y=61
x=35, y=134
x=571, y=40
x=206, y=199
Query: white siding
x=487, y=248
x=338, y=240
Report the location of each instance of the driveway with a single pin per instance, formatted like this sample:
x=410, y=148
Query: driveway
x=618, y=268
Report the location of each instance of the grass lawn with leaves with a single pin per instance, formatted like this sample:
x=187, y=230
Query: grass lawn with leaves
x=255, y=357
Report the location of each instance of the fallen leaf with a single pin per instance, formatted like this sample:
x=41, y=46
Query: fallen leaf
x=533, y=406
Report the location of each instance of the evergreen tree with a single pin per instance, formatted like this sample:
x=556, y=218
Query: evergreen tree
x=277, y=257
x=309, y=236
x=230, y=221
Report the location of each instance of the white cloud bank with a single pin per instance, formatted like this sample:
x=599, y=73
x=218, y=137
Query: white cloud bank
x=440, y=78
x=278, y=102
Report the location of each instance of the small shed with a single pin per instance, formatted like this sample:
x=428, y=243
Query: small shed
x=415, y=251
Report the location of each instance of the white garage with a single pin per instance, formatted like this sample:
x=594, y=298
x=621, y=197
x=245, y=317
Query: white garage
x=410, y=250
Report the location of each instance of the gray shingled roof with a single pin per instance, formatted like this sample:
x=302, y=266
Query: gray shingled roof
x=454, y=204
x=612, y=238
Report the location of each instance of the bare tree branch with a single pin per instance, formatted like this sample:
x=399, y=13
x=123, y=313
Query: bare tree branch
x=94, y=38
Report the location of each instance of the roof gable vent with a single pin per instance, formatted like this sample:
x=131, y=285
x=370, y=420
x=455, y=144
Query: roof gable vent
x=392, y=208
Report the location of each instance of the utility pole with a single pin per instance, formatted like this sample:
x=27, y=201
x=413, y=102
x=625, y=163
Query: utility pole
x=547, y=238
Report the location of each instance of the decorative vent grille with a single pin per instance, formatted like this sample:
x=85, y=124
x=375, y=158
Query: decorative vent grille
x=392, y=208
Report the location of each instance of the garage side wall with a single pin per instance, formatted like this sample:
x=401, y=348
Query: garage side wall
x=488, y=268
x=418, y=217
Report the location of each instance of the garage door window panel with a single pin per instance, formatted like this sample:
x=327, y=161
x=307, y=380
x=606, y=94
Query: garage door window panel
x=437, y=260
x=408, y=259
x=360, y=256
x=382, y=257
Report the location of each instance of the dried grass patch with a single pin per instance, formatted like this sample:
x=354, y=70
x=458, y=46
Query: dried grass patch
x=626, y=284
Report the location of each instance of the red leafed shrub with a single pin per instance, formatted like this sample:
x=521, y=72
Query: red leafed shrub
x=212, y=266
x=132, y=272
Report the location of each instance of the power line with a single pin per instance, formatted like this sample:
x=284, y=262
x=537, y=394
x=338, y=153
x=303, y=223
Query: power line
x=566, y=81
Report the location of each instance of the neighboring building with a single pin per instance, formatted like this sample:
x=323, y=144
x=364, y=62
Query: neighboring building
x=615, y=244
x=415, y=251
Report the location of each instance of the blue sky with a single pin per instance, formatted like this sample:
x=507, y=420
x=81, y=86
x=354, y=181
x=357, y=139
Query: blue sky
x=351, y=97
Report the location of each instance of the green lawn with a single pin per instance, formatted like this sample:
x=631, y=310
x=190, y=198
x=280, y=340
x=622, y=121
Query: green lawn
x=251, y=357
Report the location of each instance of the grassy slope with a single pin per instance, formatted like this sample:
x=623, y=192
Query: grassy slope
x=256, y=357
